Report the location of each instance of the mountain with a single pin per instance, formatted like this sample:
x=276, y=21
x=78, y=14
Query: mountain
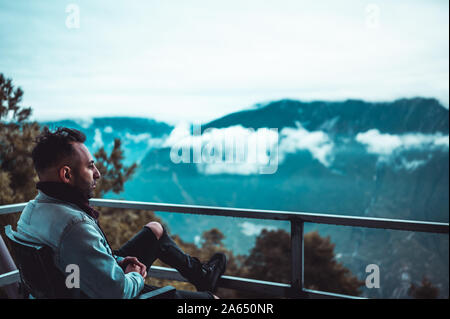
x=347, y=117
x=353, y=183
x=351, y=157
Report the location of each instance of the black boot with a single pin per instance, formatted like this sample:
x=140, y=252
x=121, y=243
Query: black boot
x=203, y=276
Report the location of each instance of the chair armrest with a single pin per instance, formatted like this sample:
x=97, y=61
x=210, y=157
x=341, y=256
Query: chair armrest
x=160, y=293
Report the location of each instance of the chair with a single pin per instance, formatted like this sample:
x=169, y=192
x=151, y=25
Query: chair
x=42, y=279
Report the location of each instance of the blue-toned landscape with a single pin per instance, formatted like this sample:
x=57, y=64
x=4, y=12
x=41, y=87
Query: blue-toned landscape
x=326, y=107
x=351, y=157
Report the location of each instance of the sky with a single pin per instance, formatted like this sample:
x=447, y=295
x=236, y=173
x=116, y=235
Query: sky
x=198, y=60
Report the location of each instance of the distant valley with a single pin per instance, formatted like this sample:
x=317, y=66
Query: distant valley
x=352, y=157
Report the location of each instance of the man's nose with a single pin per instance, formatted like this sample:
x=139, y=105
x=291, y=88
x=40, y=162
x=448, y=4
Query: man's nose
x=97, y=174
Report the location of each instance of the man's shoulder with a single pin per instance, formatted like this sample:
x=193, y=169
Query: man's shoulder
x=46, y=206
x=45, y=219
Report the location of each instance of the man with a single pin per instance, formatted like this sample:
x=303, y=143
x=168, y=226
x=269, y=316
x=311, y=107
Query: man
x=61, y=218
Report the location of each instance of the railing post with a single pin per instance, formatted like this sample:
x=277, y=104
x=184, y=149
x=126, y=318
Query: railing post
x=297, y=276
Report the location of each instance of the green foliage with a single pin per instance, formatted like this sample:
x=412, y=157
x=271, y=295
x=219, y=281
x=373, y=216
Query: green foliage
x=270, y=260
x=114, y=174
x=17, y=176
x=212, y=238
x=323, y=272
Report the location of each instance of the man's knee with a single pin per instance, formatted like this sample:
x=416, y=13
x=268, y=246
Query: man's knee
x=156, y=228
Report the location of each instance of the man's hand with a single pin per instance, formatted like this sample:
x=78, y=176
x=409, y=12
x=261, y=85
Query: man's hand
x=132, y=264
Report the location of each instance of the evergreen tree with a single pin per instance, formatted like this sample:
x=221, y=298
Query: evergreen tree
x=322, y=271
x=270, y=260
x=425, y=291
x=114, y=174
x=17, y=133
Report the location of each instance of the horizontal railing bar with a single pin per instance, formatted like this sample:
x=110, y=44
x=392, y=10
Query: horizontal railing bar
x=315, y=294
x=12, y=208
x=343, y=220
x=9, y=278
x=251, y=285
x=370, y=222
x=230, y=282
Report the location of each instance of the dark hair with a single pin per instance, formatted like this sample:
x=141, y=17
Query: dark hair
x=53, y=147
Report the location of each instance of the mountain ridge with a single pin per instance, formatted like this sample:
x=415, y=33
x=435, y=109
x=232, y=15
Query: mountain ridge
x=312, y=115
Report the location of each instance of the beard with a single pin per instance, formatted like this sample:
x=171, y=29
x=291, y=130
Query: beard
x=85, y=187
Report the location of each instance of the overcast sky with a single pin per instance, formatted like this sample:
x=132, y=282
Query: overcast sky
x=198, y=60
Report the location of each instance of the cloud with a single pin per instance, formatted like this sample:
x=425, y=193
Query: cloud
x=251, y=229
x=180, y=134
x=245, y=151
x=204, y=63
x=317, y=143
x=108, y=129
x=138, y=138
x=411, y=165
x=197, y=240
x=386, y=144
x=231, y=150
x=390, y=147
x=98, y=141
x=84, y=122
x=145, y=137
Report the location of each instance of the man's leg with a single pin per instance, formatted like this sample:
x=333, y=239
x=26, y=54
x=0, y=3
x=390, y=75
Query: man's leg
x=144, y=246
x=153, y=242
x=204, y=276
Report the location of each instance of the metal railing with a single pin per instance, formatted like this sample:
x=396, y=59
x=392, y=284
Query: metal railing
x=297, y=220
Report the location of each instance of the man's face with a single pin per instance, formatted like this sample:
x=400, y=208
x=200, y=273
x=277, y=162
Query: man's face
x=85, y=173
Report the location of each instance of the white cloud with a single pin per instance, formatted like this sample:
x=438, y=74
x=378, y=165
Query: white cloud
x=317, y=143
x=231, y=150
x=389, y=147
x=180, y=134
x=251, y=229
x=108, y=129
x=146, y=137
x=386, y=144
x=84, y=122
x=197, y=240
x=376, y=143
x=245, y=151
x=412, y=165
x=138, y=138
x=98, y=141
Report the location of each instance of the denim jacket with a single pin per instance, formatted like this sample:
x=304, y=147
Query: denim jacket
x=76, y=239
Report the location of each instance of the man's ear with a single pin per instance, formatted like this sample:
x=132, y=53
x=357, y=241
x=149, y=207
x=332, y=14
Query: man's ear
x=65, y=174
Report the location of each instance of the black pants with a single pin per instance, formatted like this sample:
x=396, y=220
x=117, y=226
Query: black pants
x=145, y=247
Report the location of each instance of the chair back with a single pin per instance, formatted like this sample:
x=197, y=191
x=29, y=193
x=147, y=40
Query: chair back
x=38, y=272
